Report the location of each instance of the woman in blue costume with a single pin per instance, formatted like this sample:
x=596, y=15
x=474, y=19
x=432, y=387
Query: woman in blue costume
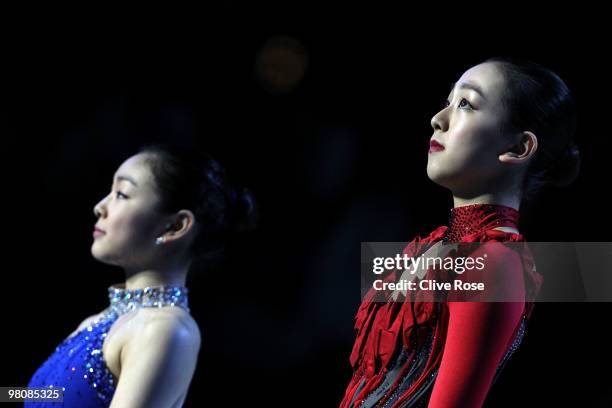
x=167, y=206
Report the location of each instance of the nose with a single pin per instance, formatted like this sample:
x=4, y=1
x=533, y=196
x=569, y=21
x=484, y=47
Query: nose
x=100, y=208
x=439, y=121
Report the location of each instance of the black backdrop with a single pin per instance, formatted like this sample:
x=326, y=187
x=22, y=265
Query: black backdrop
x=337, y=160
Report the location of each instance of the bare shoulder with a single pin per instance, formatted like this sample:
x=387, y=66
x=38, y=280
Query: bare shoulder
x=169, y=315
x=167, y=322
x=158, y=358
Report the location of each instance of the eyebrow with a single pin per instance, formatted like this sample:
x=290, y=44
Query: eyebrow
x=126, y=178
x=468, y=85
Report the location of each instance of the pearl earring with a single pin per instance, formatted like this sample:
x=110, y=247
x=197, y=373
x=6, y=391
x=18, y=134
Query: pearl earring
x=160, y=240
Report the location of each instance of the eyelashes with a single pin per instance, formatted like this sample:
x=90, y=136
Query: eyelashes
x=466, y=105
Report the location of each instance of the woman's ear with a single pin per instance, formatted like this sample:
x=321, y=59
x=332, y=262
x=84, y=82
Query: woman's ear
x=183, y=222
x=521, y=151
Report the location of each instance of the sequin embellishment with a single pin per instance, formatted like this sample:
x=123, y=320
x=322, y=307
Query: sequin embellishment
x=468, y=219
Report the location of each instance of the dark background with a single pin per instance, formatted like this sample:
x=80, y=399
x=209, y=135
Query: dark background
x=335, y=158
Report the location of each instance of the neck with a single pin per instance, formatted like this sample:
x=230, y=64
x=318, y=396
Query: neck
x=509, y=200
x=140, y=279
x=469, y=219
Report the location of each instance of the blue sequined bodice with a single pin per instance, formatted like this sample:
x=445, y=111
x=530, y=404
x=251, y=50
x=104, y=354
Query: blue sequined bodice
x=77, y=365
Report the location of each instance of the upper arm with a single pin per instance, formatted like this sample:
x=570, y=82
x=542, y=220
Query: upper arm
x=499, y=268
x=157, y=365
x=477, y=339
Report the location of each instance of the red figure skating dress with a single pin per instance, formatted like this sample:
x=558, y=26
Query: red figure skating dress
x=444, y=354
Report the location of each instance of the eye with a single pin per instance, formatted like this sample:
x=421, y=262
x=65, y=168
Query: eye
x=466, y=104
x=119, y=194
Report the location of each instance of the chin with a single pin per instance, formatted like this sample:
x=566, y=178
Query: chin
x=97, y=255
x=439, y=178
x=433, y=172
x=101, y=255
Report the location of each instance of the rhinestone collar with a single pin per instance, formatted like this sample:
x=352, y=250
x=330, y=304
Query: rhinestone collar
x=468, y=219
x=123, y=300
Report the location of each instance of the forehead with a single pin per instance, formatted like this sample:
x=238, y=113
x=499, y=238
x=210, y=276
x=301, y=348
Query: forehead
x=136, y=168
x=487, y=76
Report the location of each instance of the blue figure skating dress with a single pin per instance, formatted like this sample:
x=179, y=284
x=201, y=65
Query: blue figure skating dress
x=77, y=365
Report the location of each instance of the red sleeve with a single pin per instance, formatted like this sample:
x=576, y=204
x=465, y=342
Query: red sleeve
x=477, y=338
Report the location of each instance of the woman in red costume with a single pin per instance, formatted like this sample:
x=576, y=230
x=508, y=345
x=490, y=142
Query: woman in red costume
x=505, y=131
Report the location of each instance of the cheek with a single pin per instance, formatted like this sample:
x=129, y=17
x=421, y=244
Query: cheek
x=474, y=142
x=132, y=228
x=140, y=228
x=469, y=152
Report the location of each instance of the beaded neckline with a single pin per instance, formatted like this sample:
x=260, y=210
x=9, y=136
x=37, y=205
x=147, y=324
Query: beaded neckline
x=468, y=219
x=123, y=300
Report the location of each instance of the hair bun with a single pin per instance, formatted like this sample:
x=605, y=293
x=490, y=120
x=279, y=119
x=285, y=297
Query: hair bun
x=244, y=209
x=567, y=168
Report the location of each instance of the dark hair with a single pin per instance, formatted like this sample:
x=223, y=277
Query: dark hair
x=187, y=178
x=537, y=100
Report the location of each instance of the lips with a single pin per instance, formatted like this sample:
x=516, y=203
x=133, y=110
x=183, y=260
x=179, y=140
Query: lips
x=97, y=232
x=434, y=146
